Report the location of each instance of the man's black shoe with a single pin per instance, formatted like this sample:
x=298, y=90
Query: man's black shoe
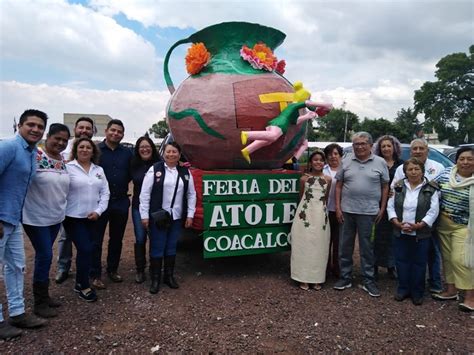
x=27, y=321
x=398, y=297
x=8, y=332
x=61, y=276
x=114, y=277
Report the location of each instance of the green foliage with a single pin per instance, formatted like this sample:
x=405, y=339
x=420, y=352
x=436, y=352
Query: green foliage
x=448, y=102
x=406, y=125
x=377, y=127
x=331, y=126
x=159, y=129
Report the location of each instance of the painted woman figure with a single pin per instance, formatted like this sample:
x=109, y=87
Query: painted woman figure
x=279, y=126
x=310, y=233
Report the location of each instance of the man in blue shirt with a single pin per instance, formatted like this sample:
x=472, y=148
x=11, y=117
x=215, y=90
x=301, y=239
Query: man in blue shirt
x=115, y=160
x=17, y=167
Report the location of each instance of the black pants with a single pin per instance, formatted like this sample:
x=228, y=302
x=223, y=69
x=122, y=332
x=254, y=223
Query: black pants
x=117, y=221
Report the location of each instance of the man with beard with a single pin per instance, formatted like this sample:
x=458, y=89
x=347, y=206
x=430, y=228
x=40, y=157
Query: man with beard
x=115, y=160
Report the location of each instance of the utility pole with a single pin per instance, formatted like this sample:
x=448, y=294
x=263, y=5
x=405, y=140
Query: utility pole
x=345, y=118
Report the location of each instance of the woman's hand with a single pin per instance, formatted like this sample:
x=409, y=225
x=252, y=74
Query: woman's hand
x=188, y=223
x=396, y=223
x=145, y=223
x=93, y=216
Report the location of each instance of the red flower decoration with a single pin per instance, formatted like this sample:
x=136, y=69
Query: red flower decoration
x=280, y=68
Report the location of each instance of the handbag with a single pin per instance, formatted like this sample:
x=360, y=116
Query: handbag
x=163, y=218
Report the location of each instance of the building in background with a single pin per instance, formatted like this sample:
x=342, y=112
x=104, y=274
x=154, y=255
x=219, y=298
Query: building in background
x=99, y=120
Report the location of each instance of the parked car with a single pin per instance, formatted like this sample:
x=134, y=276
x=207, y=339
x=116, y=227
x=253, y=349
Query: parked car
x=451, y=154
x=433, y=154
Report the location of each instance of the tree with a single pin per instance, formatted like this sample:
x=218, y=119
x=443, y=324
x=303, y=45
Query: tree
x=159, y=129
x=377, y=128
x=448, y=102
x=406, y=125
x=332, y=126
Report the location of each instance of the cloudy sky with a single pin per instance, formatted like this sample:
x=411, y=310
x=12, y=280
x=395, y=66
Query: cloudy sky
x=106, y=56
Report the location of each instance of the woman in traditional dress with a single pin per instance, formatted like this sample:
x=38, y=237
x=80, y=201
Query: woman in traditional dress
x=310, y=233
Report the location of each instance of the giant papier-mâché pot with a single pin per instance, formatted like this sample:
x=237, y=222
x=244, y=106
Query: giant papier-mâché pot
x=208, y=111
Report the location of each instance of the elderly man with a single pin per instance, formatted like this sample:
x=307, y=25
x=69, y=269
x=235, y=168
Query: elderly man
x=361, y=198
x=17, y=162
x=84, y=127
x=419, y=149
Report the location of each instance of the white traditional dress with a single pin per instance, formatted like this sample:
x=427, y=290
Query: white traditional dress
x=310, y=234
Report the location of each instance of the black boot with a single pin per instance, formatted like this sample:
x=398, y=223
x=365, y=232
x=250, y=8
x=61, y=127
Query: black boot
x=52, y=302
x=140, y=262
x=41, y=307
x=392, y=273
x=169, y=271
x=155, y=274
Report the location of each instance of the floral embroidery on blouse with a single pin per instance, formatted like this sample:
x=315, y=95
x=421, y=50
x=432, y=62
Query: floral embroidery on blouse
x=308, y=195
x=99, y=176
x=45, y=163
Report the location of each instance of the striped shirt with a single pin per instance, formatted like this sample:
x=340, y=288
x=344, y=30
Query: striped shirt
x=454, y=202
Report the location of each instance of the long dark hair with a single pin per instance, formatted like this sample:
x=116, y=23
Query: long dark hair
x=316, y=152
x=137, y=159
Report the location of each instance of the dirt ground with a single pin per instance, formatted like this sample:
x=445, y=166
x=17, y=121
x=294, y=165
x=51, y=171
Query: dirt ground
x=243, y=305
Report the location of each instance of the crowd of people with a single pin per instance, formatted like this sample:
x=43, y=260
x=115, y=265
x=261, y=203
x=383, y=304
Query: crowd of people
x=407, y=215
x=75, y=188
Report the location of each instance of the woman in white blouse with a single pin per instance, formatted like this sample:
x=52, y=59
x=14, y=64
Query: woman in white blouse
x=87, y=199
x=158, y=189
x=43, y=212
x=413, y=210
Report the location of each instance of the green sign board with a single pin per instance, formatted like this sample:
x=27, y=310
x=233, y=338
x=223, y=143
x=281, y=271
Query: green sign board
x=248, y=213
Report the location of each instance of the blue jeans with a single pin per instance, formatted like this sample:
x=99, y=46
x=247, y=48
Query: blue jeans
x=117, y=221
x=81, y=231
x=434, y=263
x=12, y=264
x=411, y=256
x=140, y=231
x=64, y=252
x=163, y=242
x=362, y=225
x=42, y=239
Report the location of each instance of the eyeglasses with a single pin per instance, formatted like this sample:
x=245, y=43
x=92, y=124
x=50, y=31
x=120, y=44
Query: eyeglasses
x=362, y=144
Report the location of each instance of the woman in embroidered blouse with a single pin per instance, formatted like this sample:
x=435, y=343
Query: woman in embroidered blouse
x=413, y=210
x=87, y=199
x=333, y=153
x=157, y=193
x=389, y=148
x=310, y=234
x=456, y=229
x=145, y=155
x=43, y=212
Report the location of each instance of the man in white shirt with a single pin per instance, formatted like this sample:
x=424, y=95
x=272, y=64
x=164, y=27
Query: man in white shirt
x=419, y=149
x=84, y=127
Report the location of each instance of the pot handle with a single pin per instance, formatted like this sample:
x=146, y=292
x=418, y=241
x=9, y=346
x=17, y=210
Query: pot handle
x=168, y=80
